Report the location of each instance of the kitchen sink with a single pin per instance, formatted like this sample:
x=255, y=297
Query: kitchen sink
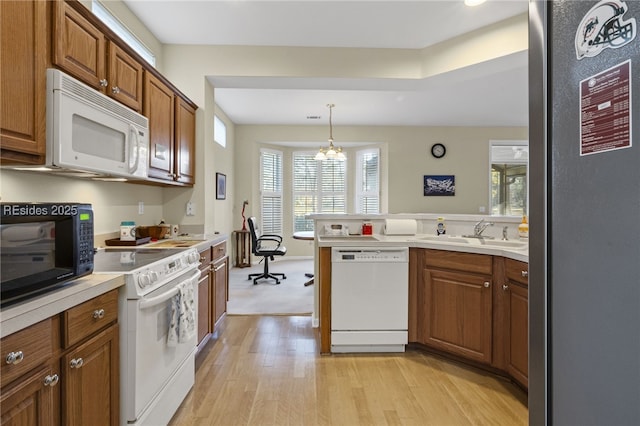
x=174, y=243
x=505, y=244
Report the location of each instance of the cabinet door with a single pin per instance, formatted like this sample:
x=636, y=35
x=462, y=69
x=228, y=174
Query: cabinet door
x=91, y=381
x=23, y=62
x=125, y=78
x=79, y=47
x=185, y=141
x=203, y=306
x=516, y=339
x=220, y=284
x=158, y=107
x=30, y=401
x=458, y=310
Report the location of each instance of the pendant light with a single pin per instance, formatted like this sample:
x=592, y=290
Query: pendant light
x=331, y=152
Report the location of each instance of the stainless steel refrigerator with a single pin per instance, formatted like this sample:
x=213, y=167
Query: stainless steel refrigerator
x=584, y=301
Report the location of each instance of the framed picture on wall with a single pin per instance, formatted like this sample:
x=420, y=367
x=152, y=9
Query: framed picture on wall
x=442, y=185
x=221, y=186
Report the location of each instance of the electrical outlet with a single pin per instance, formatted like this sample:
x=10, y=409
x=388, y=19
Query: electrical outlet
x=191, y=208
x=482, y=209
x=140, y=207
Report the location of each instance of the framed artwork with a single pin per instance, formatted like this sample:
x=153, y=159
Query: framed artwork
x=440, y=185
x=221, y=186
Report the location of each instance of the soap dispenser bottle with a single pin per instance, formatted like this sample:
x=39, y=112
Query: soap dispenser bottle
x=523, y=228
x=441, y=228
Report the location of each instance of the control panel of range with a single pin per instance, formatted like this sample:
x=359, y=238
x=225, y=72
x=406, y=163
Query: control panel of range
x=163, y=271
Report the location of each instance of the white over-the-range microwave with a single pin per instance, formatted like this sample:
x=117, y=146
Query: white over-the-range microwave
x=90, y=134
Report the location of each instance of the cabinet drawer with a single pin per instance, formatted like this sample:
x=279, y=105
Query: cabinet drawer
x=468, y=262
x=517, y=271
x=85, y=319
x=205, y=261
x=219, y=250
x=25, y=349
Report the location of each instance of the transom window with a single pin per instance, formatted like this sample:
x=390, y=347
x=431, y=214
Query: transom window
x=122, y=31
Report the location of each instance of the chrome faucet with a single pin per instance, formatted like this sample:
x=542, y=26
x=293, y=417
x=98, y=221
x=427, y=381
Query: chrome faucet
x=479, y=228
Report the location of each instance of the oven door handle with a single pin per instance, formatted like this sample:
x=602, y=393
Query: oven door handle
x=161, y=298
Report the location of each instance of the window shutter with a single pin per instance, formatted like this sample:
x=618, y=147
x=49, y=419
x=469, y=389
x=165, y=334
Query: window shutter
x=271, y=191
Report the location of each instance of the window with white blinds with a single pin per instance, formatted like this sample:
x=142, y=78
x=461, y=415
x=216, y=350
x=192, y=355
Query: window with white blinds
x=271, y=191
x=318, y=187
x=368, y=181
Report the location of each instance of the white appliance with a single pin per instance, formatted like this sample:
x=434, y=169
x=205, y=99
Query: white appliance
x=369, y=299
x=92, y=135
x=155, y=375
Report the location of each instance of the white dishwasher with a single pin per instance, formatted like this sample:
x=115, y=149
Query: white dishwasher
x=369, y=299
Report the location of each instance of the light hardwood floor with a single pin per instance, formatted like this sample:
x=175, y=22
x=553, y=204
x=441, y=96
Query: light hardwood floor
x=267, y=370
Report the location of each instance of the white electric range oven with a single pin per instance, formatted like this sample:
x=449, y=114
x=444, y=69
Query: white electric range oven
x=158, y=320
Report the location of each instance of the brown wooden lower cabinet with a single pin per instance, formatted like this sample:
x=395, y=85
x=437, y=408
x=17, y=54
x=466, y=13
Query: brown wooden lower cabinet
x=458, y=313
x=472, y=306
x=516, y=320
x=64, y=383
x=220, y=272
x=29, y=401
x=90, y=385
x=516, y=341
x=203, y=306
x=213, y=289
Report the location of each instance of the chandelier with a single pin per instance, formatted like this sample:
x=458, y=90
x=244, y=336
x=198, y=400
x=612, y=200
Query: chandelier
x=331, y=152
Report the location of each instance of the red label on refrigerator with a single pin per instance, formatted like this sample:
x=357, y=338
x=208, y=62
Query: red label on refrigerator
x=605, y=110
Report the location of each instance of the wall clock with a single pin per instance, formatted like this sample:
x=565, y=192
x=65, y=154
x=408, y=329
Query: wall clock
x=438, y=150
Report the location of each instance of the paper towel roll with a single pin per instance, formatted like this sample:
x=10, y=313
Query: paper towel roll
x=23, y=233
x=400, y=226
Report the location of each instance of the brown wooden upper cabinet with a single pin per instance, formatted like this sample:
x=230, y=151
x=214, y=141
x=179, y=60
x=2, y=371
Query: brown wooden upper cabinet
x=82, y=50
x=23, y=63
x=171, y=133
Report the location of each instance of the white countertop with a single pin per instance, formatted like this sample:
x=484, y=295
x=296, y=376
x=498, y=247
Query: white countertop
x=446, y=242
x=21, y=315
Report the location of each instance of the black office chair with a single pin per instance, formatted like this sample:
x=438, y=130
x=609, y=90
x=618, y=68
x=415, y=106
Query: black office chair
x=267, y=246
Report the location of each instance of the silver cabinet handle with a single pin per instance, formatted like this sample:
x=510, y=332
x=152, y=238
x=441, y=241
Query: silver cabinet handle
x=505, y=287
x=104, y=82
x=98, y=314
x=51, y=380
x=487, y=284
x=14, y=357
x=218, y=268
x=76, y=363
x=525, y=273
x=115, y=90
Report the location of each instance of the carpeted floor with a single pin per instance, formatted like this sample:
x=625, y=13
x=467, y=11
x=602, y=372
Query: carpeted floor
x=288, y=297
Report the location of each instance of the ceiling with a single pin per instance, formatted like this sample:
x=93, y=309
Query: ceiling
x=493, y=93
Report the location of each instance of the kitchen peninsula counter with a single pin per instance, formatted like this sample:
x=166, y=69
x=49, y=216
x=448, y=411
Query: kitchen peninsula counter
x=470, y=245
